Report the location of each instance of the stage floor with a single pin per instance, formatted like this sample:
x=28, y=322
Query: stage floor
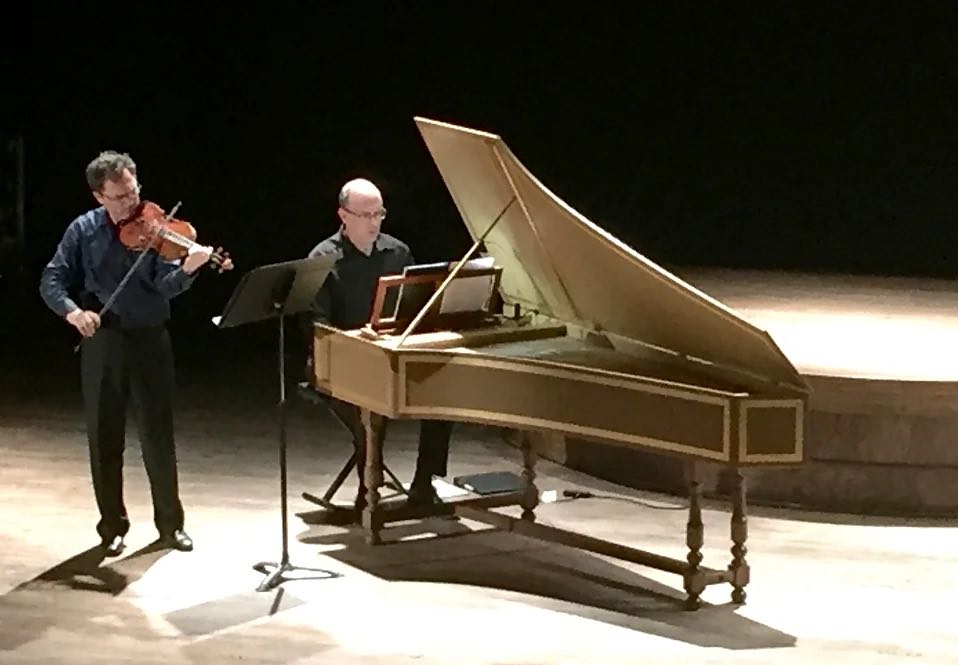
x=824, y=587
x=878, y=328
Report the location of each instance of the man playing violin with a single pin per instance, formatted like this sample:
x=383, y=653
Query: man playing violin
x=125, y=353
x=363, y=255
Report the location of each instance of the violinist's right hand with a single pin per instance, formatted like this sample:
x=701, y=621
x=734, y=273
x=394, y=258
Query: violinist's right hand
x=85, y=321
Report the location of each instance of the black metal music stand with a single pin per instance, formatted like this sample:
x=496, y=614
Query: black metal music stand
x=278, y=290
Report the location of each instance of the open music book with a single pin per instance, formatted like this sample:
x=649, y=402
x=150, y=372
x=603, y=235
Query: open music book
x=469, y=293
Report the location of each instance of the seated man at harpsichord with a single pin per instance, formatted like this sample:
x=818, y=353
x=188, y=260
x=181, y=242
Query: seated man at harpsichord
x=364, y=254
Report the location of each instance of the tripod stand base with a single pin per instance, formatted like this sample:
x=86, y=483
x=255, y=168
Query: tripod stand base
x=277, y=573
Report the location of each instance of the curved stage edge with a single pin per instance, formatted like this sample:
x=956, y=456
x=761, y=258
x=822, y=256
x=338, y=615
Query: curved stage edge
x=882, y=429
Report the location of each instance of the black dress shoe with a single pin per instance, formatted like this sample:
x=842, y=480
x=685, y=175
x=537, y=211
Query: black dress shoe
x=114, y=546
x=178, y=540
x=422, y=495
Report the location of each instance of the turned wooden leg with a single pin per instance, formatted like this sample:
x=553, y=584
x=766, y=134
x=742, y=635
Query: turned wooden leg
x=694, y=538
x=372, y=519
x=739, y=528
x=530, y=493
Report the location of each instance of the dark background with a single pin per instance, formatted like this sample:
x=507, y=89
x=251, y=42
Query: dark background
x=813, y=136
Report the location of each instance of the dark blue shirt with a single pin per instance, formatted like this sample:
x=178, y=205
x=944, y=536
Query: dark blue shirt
x=90, y=262
x=346, y=297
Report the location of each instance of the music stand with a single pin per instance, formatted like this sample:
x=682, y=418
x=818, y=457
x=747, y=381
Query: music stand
x=277, y=290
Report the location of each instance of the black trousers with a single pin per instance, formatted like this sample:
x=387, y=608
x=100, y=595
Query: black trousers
x=116, y=365
x=433, y=453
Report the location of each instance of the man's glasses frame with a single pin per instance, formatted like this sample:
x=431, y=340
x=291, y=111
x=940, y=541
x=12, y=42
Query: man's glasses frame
x=126, y=195
x=379, y=214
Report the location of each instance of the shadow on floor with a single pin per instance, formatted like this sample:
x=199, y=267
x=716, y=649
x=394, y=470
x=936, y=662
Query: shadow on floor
x=82, y=599
x=76, y=595
x=561, y=578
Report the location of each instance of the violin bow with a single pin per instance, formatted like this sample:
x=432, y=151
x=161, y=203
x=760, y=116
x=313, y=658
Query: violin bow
x=136, y=263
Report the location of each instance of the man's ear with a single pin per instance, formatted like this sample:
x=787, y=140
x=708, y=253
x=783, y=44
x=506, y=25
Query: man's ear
x=342, y=215
x=99, y=197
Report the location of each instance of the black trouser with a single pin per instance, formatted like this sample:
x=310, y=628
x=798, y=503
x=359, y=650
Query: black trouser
x=433, y=443
x=116, y=364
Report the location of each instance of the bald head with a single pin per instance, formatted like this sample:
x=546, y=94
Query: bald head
x=360, y=189
x=361, y=211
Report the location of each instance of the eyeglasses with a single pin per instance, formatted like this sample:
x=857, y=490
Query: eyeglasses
x=130, y=195
x=378, y=214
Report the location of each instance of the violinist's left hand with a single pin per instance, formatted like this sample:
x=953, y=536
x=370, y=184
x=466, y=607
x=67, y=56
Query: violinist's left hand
x=196, y=259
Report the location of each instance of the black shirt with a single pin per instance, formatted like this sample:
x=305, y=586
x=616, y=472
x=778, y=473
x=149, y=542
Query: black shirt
x=346, y=298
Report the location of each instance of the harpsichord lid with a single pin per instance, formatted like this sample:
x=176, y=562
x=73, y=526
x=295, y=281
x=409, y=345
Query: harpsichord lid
x=557, y=262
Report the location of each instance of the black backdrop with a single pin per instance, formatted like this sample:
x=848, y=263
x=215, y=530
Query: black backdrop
x=801, y=136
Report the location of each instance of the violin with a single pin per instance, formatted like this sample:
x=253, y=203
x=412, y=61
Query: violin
x=150, y=227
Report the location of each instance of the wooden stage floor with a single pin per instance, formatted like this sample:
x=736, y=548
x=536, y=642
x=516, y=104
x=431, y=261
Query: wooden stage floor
x=825, y=588
x=876, y=328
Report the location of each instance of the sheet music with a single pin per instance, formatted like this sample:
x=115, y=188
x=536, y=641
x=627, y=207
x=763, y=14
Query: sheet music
x=469, y=294
x=481, y=262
